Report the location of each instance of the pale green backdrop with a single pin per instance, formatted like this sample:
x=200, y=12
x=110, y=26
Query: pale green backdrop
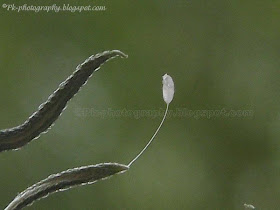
x=222, y=55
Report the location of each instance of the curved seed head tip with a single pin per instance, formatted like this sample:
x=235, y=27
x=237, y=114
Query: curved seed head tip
x=119, y=53
x=167, y=88
x=114, y=167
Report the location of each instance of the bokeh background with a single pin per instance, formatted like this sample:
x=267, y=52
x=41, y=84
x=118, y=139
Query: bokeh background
x=222, y=55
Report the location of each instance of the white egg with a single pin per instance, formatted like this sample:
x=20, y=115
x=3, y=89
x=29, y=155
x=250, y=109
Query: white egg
x=167, y=88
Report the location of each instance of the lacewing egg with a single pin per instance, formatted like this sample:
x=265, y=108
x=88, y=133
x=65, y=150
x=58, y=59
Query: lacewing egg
x=167, y=88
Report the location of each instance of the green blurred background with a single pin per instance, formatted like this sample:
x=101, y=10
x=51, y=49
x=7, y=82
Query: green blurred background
x=222, y=55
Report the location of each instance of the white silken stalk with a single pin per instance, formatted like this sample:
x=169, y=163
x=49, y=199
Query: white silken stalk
x=168, y=93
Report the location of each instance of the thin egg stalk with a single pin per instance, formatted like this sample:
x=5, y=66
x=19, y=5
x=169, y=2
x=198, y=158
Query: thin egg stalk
x=168, y=94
